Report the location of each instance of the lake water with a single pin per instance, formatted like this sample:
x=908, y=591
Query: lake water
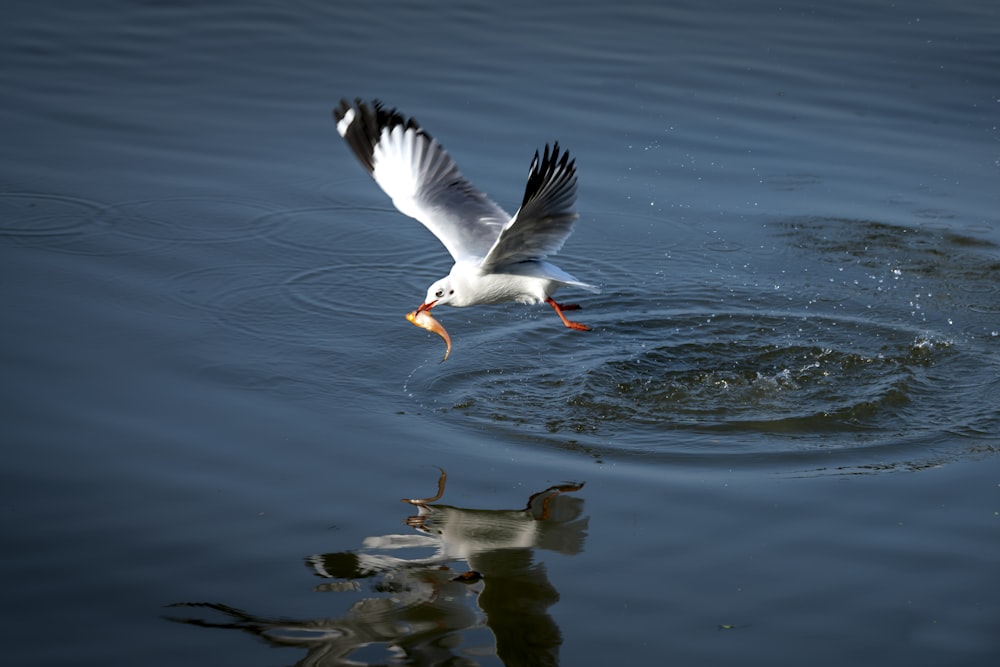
x=777, y=445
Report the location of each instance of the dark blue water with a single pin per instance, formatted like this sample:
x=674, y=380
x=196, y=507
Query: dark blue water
x=778, y=444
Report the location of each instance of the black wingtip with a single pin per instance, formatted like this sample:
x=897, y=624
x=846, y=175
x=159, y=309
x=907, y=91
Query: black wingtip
x=553, y=166
x=363, y=131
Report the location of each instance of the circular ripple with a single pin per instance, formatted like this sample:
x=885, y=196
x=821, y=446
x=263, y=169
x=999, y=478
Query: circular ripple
x=249, y=298
x=49, y=220
x=358, y=288
x=734, y=383
x=275, y=303
x=40, y=215
x=204, y=288
x=190, y=220
x=724, y=246
x=861, y=364
x=333, y=231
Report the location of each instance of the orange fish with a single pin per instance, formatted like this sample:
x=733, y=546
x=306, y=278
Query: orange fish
x=424, y=320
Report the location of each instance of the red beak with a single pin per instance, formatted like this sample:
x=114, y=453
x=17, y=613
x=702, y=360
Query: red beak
x=425, y=306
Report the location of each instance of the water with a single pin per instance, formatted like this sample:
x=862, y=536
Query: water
x=777, y=444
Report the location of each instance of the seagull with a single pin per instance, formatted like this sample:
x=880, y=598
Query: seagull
x=498, y=257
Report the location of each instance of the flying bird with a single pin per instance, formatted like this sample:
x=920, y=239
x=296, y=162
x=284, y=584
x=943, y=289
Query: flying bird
x=498, y=257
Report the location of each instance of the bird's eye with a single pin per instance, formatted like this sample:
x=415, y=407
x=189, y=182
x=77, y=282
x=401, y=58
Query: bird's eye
x=439, y=293
x=451, y=292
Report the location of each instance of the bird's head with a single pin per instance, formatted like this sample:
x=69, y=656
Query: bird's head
x=439, y=294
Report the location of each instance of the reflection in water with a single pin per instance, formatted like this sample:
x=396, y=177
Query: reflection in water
x=422, y=610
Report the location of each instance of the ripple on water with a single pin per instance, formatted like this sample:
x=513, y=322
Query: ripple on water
x=825, y=367
x=318, y=271
x=733, y=383
x=50, y=220
x=352, y=233
x=277, y=303
x=187, y=220
x=78, y=226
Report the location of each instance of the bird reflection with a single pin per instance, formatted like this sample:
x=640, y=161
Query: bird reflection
x=463, y=587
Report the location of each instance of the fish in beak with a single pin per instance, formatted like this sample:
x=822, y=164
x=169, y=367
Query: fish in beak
x=422, y=318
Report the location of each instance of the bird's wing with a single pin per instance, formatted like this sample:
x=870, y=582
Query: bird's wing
x=546, y=217
x=421, y=178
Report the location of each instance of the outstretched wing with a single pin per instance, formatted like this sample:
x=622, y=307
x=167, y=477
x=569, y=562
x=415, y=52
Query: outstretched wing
x=546, y=217
x=421, y=178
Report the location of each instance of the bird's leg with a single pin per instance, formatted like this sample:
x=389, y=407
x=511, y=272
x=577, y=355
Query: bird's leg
x=559, y=311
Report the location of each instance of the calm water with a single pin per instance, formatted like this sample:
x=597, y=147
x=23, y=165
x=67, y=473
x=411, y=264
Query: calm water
x=777, y=445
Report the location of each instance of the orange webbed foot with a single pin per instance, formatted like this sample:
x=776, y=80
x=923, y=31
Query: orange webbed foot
x=559, y=308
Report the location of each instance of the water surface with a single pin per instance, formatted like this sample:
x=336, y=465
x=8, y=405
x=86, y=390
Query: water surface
x=777, y=444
